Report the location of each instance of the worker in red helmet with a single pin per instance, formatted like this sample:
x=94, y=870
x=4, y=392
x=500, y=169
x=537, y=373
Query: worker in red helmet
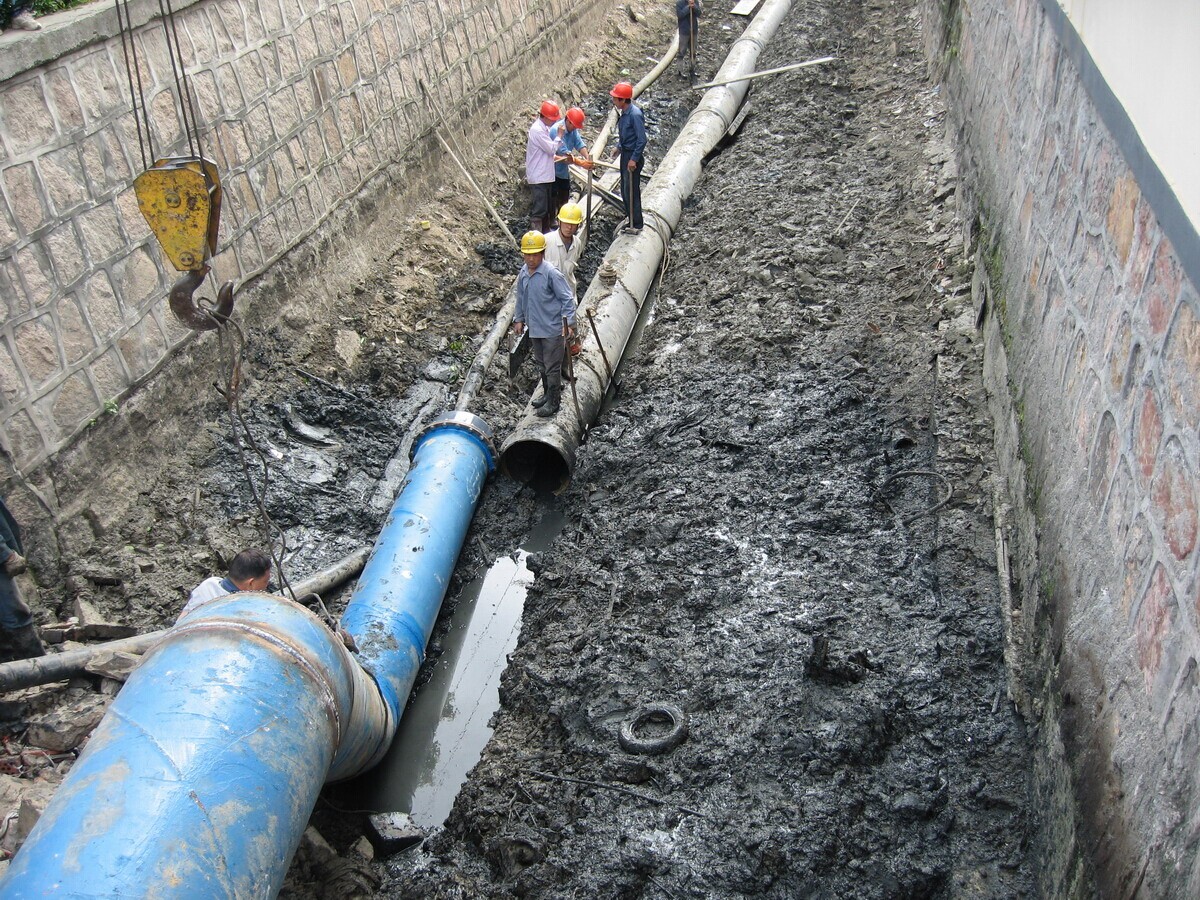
x=569, y=132
x=540, y=149
x=631, y=142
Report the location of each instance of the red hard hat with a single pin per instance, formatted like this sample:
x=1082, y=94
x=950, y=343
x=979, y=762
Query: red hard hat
x=550, y=109
x=622, y=90
x=575, y=116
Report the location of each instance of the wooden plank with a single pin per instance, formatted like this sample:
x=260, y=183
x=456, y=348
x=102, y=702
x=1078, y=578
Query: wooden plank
x=744, y=7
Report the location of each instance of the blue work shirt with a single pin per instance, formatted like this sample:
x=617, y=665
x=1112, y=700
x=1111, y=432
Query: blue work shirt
x=544, y=299
x=631, y=133
x=681, y=11
x=571, y=141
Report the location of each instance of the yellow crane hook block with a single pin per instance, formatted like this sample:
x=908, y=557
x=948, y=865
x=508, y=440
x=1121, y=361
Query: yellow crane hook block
x=180, y=198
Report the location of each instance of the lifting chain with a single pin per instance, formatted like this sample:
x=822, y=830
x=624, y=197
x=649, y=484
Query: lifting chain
x=179, y=196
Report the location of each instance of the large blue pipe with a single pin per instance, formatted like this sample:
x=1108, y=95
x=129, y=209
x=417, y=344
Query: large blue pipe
x=199, y=781
x=397, y=598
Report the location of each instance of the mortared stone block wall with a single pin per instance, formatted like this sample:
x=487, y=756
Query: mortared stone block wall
x=300, y=105
x=1093, y=324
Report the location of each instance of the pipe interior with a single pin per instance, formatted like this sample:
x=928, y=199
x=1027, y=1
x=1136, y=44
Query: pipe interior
x=537, y=464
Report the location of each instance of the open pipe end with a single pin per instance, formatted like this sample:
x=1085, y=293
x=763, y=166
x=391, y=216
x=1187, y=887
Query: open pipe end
x=538, y=463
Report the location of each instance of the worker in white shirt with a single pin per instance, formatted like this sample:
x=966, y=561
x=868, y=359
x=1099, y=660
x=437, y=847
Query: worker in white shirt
x=562, y=249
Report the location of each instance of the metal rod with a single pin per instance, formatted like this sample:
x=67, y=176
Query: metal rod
x=437, y=111
x=608, y=369
x=752, y=75
x=589, y=197
x=482, y=196
x=646, y=176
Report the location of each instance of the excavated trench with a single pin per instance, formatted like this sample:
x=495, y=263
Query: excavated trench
x=780, y=526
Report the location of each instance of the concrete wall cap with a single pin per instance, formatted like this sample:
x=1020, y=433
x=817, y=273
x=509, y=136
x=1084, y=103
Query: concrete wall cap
x=70, y=30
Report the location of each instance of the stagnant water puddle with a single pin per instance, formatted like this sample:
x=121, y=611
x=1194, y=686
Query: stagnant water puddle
x=446, y=724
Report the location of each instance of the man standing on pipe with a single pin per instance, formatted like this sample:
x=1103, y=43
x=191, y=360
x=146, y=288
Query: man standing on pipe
x=540, y=149
x=546, y=306
x=631, y=141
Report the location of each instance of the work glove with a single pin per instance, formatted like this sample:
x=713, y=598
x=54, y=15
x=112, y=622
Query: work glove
x=15, y=564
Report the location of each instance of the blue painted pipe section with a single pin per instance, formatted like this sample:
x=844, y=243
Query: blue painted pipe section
x=200, y=779
x=399, y=593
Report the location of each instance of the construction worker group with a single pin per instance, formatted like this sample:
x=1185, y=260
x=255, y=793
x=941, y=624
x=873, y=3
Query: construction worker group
x=546, y=286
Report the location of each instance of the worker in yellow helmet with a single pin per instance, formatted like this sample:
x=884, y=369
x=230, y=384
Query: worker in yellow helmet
x=546, y=309
x=562, y=250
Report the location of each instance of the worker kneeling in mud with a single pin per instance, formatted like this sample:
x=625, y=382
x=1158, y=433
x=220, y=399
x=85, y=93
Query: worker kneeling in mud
x=546, y=308
x=250, y=570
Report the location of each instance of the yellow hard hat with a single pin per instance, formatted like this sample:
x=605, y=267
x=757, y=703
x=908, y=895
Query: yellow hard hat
x=533, y=242
x=571, y=214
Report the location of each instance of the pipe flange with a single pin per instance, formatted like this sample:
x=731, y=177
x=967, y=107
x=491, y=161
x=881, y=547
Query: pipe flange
x=460, y=420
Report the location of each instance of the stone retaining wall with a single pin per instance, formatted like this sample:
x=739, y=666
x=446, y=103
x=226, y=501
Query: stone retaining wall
x=300, y=105
x=1094, y=353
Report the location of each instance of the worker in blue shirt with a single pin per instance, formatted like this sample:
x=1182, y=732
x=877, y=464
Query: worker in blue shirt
x=546, y=308
x=572, y=145
x=631, y=141
x=250, y=570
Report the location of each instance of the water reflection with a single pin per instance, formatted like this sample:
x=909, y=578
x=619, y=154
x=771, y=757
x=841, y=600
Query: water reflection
x=445, y=726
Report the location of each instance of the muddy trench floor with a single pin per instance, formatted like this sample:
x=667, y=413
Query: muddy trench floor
x=781, y=525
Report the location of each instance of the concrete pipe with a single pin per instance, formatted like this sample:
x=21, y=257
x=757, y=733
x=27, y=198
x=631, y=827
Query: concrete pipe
x=543, y=450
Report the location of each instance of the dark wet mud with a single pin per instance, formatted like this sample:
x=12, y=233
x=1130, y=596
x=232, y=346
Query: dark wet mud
x=782, y=527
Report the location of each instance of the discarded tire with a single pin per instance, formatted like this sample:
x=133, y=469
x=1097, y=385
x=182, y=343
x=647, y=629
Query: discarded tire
x=631, y=742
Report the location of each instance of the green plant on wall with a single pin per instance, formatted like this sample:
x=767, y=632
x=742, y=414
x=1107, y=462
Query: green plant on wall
x=42, y=8
x=951, y=30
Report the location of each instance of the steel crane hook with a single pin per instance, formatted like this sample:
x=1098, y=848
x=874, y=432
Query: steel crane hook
x=194, y=316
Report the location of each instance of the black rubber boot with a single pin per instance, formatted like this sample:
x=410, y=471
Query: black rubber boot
x=541, y=401
x=22, y=643
x=551, y=405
